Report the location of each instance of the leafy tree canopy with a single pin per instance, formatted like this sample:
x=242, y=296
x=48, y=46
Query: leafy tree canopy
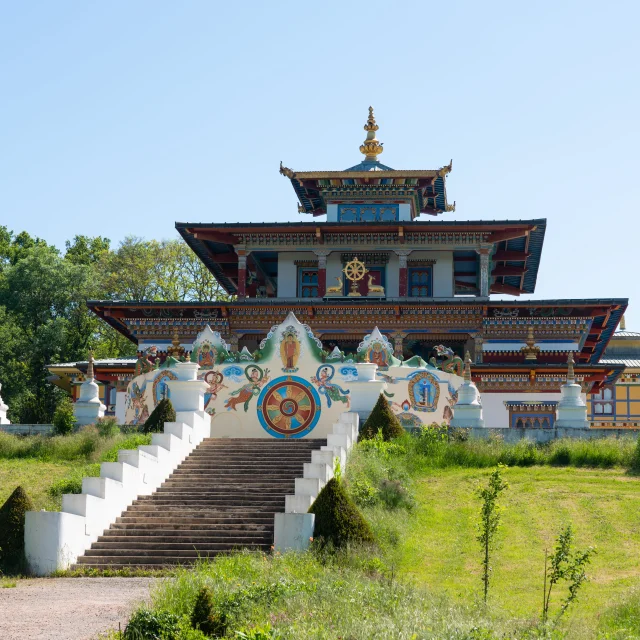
x=44, y=316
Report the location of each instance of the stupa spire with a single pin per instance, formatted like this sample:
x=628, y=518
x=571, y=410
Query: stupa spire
x=467, y=367
x=371, y=147
x=90, y=375
x=571, y=376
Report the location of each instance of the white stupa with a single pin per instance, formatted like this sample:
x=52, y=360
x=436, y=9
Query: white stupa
x=88, y=408
x=3, y=411
x=571, y=412
x=467, y=411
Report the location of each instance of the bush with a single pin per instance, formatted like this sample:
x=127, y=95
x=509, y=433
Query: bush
x=338, y=520
x=152, y=624
x=381, y=418
x=108, y=427
x=395, y=495
x=12, y=514
x=164, y=412
x=63, y=419
x=205, y=617
x=364, y=494
x=635, y=457
x=258, y=633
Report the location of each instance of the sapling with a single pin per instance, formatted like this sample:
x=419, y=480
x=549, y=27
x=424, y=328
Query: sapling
x=489, y=521
x=568, y=564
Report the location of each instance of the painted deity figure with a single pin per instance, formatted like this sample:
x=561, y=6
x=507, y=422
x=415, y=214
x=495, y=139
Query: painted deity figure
x=214, y=379
x=377, y=355
x=138, y=404
x=331, y=391
x=257, y=379
x=289, y=352
x=207, y=355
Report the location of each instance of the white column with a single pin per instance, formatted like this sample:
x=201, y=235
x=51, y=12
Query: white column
x=483, y=284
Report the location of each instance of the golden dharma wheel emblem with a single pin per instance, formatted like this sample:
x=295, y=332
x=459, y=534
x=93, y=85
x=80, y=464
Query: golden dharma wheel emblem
x=355, y=270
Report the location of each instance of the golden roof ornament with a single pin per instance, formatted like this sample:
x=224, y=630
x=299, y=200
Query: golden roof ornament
x=531, y=352
x=371, y=147
x=467, y=367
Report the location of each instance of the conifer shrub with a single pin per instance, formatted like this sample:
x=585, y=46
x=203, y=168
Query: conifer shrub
x=164, y=412
x=338, y=520
x=205, y=617
x=12, y=515
x=381, y=418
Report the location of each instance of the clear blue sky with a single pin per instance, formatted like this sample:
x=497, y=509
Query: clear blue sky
x=121, y=118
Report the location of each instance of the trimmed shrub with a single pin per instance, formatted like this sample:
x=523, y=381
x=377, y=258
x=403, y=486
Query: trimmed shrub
x=164, y=412
x=381, y=418
x=338, y=520
x=63, y=419
x=205, y=617
x=12, y=514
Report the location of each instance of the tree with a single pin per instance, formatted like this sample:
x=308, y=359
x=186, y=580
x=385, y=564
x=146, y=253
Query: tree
x=12, y=516
x=568, y=564
x=489, y=522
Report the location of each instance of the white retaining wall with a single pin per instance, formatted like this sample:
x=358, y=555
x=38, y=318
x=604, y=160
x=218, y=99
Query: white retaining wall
x=55, y=539
x=294, y=528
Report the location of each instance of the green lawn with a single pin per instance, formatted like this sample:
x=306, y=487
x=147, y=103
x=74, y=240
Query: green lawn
x=35, y=477
x=438, y=547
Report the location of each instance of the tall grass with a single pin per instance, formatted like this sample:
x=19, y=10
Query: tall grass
x=304, y=596
x=86, y=445
x=431, y=448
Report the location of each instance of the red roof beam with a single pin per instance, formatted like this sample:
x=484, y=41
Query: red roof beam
x=498, y=287
x=215, y=236
x=508, y=271
x=509, y=234
x=512, y=256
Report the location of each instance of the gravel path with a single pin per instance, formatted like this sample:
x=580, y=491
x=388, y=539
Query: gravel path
x=68, y=608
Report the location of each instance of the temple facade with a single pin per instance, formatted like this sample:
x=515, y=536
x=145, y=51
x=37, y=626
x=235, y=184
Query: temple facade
x=376, y=250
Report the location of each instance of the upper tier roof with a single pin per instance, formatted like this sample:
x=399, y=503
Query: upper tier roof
x=425, y=190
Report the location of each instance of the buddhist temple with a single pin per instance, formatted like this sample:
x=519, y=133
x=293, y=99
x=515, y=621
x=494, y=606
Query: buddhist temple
x=370, y=247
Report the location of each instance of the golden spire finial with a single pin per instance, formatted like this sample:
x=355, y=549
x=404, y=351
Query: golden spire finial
x=371, y=147
x=467, y=367
x=531, y=352
x=571, y=376
x=90, y=366
x=175, y=349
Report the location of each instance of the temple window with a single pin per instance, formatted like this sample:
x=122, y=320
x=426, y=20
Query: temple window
x=420, y=282
x=368, y=213
x=602, y=402
x=307, y=283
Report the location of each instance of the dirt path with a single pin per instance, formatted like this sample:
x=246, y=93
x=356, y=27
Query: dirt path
x=68, y=608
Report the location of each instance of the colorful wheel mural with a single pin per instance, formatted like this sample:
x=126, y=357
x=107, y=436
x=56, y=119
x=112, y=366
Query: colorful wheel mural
x=289, y=407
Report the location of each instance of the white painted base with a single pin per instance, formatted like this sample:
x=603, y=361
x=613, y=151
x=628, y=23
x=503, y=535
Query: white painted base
x=54, y=540
x=88, y=412
x=293, y=531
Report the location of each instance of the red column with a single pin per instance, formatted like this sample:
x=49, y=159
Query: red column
x=242, y=275
x=322, y=275
x=403, y=282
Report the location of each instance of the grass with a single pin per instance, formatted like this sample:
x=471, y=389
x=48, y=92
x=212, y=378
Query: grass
x=47, y=467
x=422, y=579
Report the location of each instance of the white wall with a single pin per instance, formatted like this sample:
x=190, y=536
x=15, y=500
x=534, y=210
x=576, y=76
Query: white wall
x=495, y=413
x=288, y=272
x=121, y=397
x=442, y=271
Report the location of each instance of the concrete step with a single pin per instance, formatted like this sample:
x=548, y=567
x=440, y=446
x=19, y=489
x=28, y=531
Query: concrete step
x=221, y=498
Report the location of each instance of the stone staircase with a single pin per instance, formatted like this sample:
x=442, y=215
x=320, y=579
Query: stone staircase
x=221, y=498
